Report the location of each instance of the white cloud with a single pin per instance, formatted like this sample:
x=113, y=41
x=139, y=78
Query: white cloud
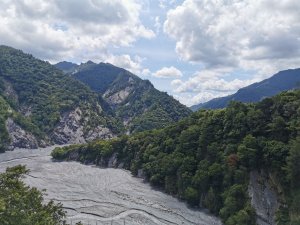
x=58, y=29
x=133, y=65
x=229, y=36
x=191, y=99
x=168, y=72
x=207, y=84
x=259, y=35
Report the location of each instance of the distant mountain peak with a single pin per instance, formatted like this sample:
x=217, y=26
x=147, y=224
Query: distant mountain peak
x=135, y=101
x=281, y=81
x=90, y=62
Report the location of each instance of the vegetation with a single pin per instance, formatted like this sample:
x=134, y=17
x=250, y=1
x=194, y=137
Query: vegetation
x=41, y=94
x=46, y=92
x=23, y=205
x=206, y=158
x=145, y=108
x=38, y=95
x=5, y=112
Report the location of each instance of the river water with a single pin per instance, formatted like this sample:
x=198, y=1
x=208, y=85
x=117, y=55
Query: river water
x=97, y=196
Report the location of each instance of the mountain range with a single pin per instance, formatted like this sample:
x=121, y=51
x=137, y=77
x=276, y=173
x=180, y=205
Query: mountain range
x=42, y=105
x=281, y=81
x=134, y=101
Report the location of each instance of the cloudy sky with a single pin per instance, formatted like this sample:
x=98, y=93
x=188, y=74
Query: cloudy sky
x=193, y=49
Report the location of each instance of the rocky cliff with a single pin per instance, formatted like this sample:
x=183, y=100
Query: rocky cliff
x=264, y=198
x=19, y=138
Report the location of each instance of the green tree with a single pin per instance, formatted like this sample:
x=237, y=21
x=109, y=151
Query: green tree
x=23, y=205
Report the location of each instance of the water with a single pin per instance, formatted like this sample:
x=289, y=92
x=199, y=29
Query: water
x=102, y=196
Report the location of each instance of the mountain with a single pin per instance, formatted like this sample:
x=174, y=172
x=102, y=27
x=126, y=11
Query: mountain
x=66, y=66
x=40, y=105
x=284, y=80
x=241, y=162
x=134, y=101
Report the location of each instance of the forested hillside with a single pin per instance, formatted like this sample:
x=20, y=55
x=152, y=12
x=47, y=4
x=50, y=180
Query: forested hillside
x=134, y=101
x=56, y=108
x=207, y=158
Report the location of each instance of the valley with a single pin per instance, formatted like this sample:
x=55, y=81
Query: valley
x=95, y=195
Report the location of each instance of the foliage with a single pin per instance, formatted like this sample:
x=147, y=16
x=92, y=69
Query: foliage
x=206, y=158
x=5, y=112
x=43, y=93
x=23, y=205
x=145, y=107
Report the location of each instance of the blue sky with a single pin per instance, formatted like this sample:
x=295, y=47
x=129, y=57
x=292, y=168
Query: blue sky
x=194, y=50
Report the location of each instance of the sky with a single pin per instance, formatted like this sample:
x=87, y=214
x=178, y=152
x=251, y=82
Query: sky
x=195, y=50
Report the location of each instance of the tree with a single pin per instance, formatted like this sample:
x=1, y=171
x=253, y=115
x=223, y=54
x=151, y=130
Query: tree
x=293, y=164
x=23, y=205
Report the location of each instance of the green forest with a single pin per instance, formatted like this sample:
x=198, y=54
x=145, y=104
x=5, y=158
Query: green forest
x=206, y=158
x=38, y=95
x=146, y=107
x=46, y=92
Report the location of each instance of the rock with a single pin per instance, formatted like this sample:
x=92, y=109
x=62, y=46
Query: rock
x=113, y=161
x=72, y=126
x=118, y=97
x=19, y=137
x=264, y=198
x=69, y=130
x=99, y=132
x=141, y=174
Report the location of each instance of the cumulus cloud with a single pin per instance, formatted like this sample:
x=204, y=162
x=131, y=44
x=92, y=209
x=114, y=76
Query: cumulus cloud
x=168, y=72
x=226, y=37
x=57, y=29
x=207, y=84
x=133, y=65
x=193, y=99
x=237, y=33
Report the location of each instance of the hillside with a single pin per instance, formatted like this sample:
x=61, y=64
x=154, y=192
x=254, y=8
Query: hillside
x=134, y=101
x=39, y=104
x=242, y=162
x=282, y=81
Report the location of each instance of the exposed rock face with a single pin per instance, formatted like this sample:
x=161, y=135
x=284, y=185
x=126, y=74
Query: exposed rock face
x=99, y=132
x=118, y=97
x=264, y=198
x=19, y=137
x=71, y=129
x=10, y=92
x=113, y=161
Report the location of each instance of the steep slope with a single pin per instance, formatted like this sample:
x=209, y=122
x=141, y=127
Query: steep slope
x=57, y=108
x=135, y=101
x=282, y=81
x=242, y=162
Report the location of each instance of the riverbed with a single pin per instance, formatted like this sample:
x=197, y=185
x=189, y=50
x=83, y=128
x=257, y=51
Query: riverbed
x=97, y=196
